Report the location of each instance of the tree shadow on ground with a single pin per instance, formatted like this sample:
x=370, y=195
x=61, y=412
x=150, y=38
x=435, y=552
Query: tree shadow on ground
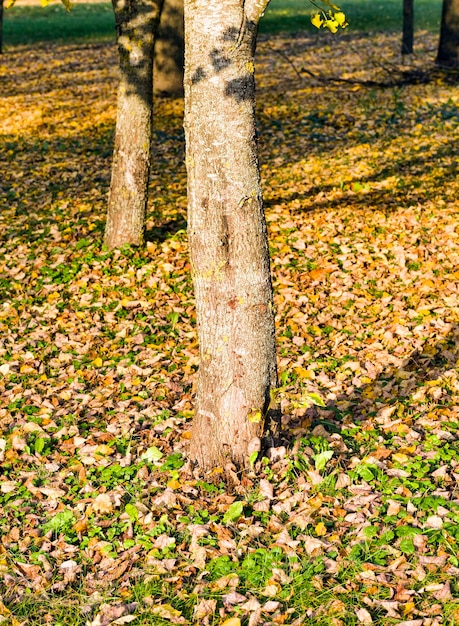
x=397, y=384
x=165, y=230
x=66, y=179
x=366, y=191
x=59, y=167
x=416, y=385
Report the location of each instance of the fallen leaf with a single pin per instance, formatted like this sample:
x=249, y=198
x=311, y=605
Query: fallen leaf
x=102, y=504
x=444, y=593
x=112, y=614
x=204, y=608
x=363, y=616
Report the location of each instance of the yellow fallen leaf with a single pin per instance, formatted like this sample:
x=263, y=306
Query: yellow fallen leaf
x=97, y=362
x=53, y=296
x=104, y=450
x=316, y=501
x=4, y=611
x=320, y=529
x=408, y=450
x=302, y=372
x=399, y=458
x=433, y=383
x=166, y=611
x=255, y=417
x=232, y=621
x=80, y=525
x=408, y=608
x=173, y=484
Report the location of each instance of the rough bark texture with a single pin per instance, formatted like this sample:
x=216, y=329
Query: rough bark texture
x=408, y=27
x=170, y=50
x=227, y=233
x=448, y=49
x=136, y=24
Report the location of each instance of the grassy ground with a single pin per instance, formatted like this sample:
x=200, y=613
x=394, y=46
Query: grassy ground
x=354, y=518
x=32, y=24
x=94, y=21
x=363, y=15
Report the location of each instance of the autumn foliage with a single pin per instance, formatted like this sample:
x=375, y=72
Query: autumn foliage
x=98, y=353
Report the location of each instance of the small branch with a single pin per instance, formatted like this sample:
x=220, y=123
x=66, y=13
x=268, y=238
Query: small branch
x=397, y=75
x=290, y=62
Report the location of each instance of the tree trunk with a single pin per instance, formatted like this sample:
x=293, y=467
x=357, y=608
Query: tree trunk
x=408, y=27
x=448, y=49
x=136, y=24
x=227, y=233
x=169, y=50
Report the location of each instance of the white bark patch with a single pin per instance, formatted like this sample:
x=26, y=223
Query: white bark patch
x=130, y=179
x=135, y=57
x=232, y=401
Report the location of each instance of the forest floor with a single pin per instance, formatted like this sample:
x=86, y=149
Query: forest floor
x=355, y=518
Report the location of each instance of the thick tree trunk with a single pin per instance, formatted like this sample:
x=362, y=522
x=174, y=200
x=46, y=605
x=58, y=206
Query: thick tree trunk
x=227, y=233
x=448, y=49
x=408, y=27
x=169, y=50
x=136, y=23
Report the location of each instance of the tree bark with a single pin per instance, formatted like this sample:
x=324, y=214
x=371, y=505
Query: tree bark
x=408, y=27
x=448, y=49
x=169, y=50
x=136, y=23
x=227, y=234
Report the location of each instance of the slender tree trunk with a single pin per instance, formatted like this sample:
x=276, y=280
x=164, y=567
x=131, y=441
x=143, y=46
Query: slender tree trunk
x=448, y=49
x=227, y=233
x=169, y=50
x=408, y=27
x=136, y=23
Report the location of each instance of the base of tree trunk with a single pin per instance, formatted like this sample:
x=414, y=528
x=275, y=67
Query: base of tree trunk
x=447, y=63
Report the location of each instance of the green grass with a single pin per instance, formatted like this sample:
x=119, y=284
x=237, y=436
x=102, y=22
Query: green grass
x=94, y=22
x=85, y=22
x=363, y=15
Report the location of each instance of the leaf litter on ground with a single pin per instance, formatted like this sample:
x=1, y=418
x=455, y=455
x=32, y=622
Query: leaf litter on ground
x=353, y=517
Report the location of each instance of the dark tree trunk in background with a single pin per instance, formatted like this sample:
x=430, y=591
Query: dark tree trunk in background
x=169, y=50
x=227, y=233
x=448, y=49
x=408, y=27
x=136, y=23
